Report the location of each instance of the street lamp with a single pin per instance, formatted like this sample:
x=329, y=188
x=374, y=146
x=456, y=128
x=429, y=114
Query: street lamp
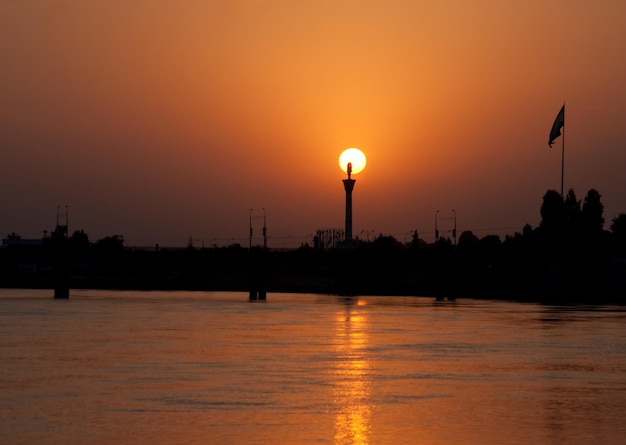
x=250, y=226
x=454, y=230
x=264, y=230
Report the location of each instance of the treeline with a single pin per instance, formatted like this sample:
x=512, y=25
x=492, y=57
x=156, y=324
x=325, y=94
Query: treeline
x=568, y=257
x=569, y=227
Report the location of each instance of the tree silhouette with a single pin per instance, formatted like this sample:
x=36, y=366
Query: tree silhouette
x=382, y=242
x=110, y=244
x=527, y=230
x=592, y=213
x=468, y=239
x=618, y=231
x=489, y=247
x=572, y=215
x=468, y=244
x=79, y=242
x=552, y=214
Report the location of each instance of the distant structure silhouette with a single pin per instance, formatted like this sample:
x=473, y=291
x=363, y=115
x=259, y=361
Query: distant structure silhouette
x=348, y=185
x=328, y=238
x=257, y=267
x=61, y=255
x=446, y=218
x=251, y=229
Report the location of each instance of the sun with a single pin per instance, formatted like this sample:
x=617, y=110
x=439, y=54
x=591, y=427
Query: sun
x=356, y=157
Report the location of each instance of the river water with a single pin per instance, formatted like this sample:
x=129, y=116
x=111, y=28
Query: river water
x=117, y=367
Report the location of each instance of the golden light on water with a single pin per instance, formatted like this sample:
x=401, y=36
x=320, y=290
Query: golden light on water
x=356, y=157
x=353, y=387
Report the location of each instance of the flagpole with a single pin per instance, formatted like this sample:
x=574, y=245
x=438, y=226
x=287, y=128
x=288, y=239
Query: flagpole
x=562, y=156
x=555, y=132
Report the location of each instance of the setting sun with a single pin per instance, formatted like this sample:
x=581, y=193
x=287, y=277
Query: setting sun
x=356, y=157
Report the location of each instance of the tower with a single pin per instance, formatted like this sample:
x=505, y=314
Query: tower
x=348, y=185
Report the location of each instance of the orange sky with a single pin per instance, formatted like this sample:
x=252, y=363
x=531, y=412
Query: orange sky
x=161, y=120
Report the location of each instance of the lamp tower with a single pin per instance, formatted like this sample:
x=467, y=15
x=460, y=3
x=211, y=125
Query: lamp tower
x=348, y=185
x=351, y=161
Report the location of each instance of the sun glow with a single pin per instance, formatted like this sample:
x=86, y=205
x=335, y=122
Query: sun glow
x=354, y=156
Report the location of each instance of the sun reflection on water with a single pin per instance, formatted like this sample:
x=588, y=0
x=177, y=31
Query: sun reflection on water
x=352, y=388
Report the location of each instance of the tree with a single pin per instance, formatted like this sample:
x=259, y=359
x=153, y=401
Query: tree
x=490, y=242
x=468, y=240
x=592, y=218
x=572, y=213
x=618, y=231
x=527, y=231
x=382, y=242
x=618, y=225
x=552, y=213
x=468, y=245
x=110, y=244
x=79, y=241
x=490, y=246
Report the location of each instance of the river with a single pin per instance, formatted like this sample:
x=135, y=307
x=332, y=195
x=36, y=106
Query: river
x=118, y=367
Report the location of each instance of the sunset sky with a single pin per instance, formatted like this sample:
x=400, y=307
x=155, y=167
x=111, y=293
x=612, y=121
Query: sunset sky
x=160, y=120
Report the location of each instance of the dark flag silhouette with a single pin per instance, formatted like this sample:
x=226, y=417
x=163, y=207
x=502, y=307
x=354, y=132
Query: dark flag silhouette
x=556, y=127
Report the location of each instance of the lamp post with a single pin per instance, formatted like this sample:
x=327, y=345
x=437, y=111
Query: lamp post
x=264, y=230
x=454, y=231
x=436, y=229
x=250, y=226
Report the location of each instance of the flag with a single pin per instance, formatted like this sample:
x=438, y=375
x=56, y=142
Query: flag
x=557, y=125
